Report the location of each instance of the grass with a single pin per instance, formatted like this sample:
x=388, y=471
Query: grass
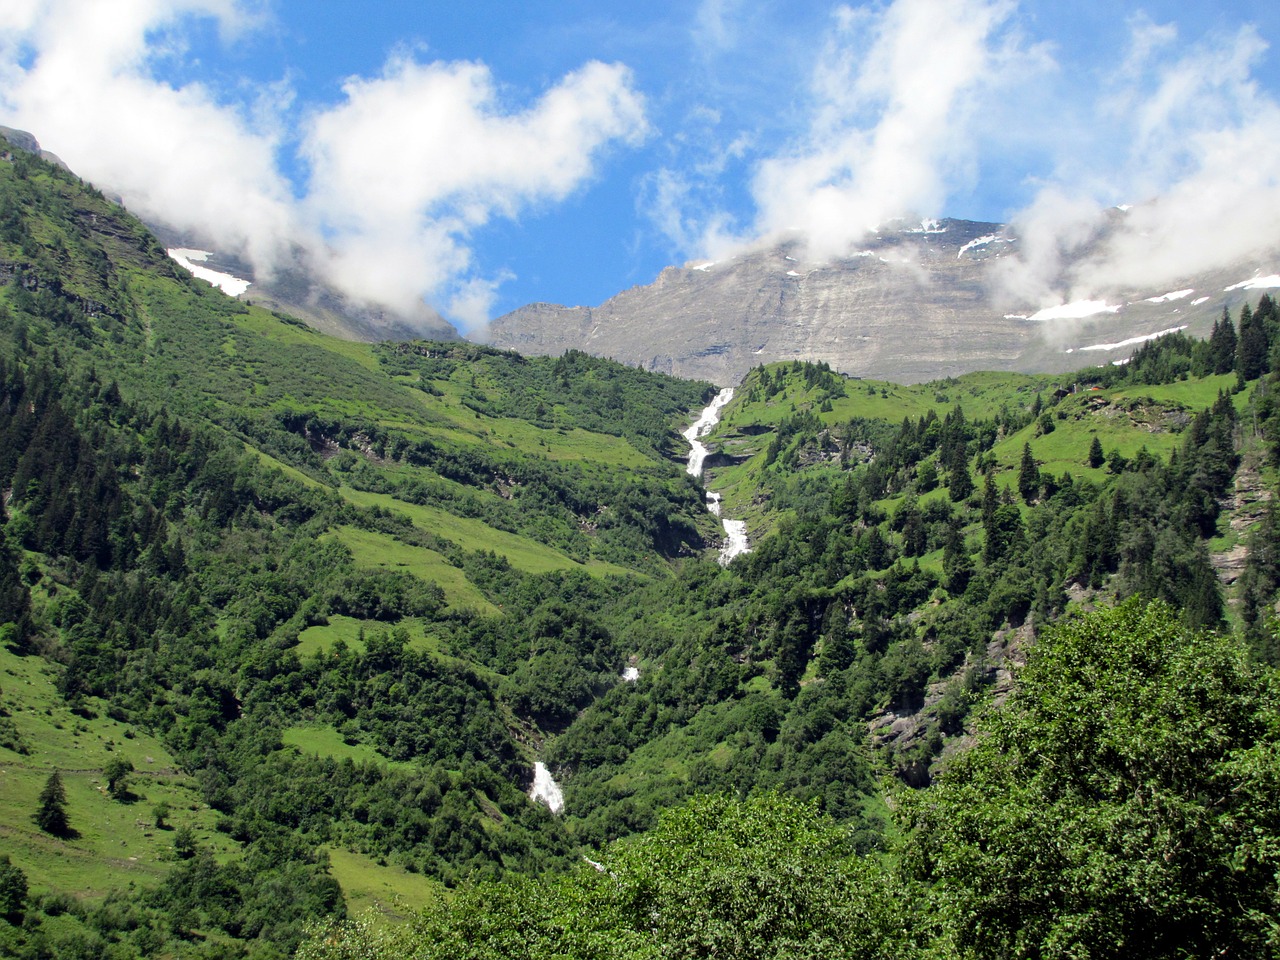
x=324, y=741
x=473, y=535
x=383, y=551
x=321, y=638
x=383, y=892
x=116, y=841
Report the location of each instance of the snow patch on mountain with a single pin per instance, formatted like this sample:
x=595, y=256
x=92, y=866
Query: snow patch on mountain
x=981, y=242
x=1167, y=297
x=1256, y=283
x=1073, y=311
x=1132, y=341
x=190, y=260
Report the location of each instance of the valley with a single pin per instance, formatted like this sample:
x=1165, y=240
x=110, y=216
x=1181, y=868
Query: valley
x=403, y=640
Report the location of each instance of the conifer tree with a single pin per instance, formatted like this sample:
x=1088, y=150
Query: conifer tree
x=1251, y=349
x=51, y=815
x=1222, y=345
x=1096, y=457
x=960, y=483
x=1028, y=476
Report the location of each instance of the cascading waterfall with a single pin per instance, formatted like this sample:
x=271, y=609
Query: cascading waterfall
x=545, y=789
x=735, y=531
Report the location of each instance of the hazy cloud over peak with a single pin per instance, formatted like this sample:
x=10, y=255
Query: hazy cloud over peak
x=1199, y=166
x=891, y=97
x=486, y=156
x=401, y=170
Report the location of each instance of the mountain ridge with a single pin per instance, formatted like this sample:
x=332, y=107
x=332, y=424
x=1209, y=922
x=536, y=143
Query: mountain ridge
x=916, y=304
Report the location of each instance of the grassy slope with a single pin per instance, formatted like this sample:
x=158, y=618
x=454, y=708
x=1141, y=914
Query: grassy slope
x=1124, y=420
x=206, y=358
x=117, y=841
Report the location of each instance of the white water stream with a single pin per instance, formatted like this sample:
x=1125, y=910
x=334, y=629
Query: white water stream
x=735, y=531
x=545, y=789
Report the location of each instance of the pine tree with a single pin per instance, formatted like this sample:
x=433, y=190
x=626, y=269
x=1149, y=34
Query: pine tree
x=1096, y=457
x=1251, y=349
x=1028, y=476
x=1222, y=345
x=51, y=815
x=960, y=483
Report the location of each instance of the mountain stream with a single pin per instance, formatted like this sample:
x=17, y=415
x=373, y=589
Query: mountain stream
x=735, y=531
x=545, y=789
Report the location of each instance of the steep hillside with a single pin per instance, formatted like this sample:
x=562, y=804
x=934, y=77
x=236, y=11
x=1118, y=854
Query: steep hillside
x=333, y=601
x=917, y=304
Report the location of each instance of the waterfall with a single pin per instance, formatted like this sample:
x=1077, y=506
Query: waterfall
x=545, y=789
x=701, y=427
x=735, y=530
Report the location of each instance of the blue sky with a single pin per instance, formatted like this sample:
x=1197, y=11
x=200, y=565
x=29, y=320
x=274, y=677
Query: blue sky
x=490, y=154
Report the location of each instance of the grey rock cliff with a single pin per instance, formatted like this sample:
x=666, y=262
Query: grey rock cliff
x=914, y=305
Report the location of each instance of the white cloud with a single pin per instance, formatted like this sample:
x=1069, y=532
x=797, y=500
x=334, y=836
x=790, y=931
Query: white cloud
x=403, y=169
x=1199, y=138
x=173, y=153
x=412, y=161
x=716, y=23
x=893, y=96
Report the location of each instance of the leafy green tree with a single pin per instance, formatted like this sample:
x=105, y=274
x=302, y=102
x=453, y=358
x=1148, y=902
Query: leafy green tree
x=184, y=842
x=13, y=891
x=117, y=773
x=753, y=879
x=1125, y=802
x=51, y=814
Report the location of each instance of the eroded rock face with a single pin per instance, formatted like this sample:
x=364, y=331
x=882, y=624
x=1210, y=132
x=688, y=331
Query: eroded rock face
x=917, y=304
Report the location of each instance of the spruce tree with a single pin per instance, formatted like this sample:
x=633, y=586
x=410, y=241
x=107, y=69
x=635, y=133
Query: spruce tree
x=1028, y=476
x=1251, y=349
x=1096, y=457
x=51, y=815
x=1222, y=345
x=960, y=483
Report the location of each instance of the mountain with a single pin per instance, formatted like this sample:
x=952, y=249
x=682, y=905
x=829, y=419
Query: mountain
x=294, y=288
x=293, y=628
x=300, y=291
x=914, y=305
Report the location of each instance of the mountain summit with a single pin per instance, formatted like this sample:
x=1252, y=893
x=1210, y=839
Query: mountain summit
x=915, y=304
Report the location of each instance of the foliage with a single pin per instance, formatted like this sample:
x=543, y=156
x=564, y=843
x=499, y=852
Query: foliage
x=51, y=814
x=1123, y=801
x=759, y=878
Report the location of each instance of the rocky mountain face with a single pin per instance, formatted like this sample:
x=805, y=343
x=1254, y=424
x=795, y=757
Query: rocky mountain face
x=914, y=305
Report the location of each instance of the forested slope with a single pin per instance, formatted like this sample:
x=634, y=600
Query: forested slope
x=291, y=619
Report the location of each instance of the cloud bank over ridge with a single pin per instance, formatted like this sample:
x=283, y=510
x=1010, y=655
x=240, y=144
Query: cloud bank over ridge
x=764, y=121
x=402, y=169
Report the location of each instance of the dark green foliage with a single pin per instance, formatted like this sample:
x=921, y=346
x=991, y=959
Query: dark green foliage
x=51, y=812
x=1028, y=476
x=13, y=891
x=116, y=773
x=1124, y=802
x=1253, y=346
x=743, y=880
x=1096, y=457
x=1222, y=345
